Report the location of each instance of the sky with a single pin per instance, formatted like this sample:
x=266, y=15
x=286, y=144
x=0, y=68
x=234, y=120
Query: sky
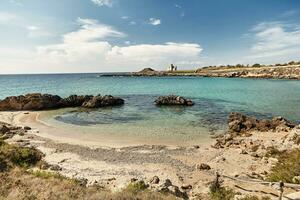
x=74, y=36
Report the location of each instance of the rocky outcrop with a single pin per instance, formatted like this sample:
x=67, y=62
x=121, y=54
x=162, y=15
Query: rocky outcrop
x=173, y=100
x=278, y=72
x=8, y=131
x=37, y=101
x=103, y=101
x=239, y=123
x=75, y=101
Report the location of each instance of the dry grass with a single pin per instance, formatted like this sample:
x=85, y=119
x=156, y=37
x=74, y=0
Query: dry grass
x=287, y=168
x=18, y=182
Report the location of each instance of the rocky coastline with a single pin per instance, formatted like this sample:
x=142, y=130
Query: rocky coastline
x=266, y=72
x=248, y=149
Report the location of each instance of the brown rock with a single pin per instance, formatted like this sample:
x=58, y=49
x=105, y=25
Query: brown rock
x=103, y=101
x=173, y=100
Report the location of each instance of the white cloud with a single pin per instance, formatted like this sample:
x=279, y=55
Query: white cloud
x=108, y=3
x=91, y=30
x=87, y=50
x=124, y=17
x=154, y=21
x=132, y=23
x=275, y=39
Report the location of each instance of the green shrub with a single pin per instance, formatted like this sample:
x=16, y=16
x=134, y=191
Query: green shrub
x=19, y=156
x=250, y=197
x=287, y=168
x=222, y=193
x=137, y=187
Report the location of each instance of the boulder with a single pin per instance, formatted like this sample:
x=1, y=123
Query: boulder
x=239, y=123
x=75, y=100
x=173, y=100
x=103, y=101
x=35, y=101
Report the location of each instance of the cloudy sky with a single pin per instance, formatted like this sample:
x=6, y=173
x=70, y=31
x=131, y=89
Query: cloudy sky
x=59, y=36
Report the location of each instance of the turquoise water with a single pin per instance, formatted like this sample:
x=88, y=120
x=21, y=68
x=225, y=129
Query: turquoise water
x=215, y=98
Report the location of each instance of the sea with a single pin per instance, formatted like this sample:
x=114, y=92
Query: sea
x=215, y=99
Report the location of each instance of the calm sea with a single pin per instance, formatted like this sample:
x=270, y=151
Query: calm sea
x=215, y=98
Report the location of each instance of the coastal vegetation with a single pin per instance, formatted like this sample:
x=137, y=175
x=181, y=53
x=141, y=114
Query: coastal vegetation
x=21, y=178
x=288, y=167
x=290, y=70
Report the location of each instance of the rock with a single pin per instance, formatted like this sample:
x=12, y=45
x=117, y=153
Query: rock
x=296, y=179
x=154, y=180
x=55, y=168
x=4, y=129
x=27, y=128
x=167, y=183
x=35, y=101
x=103, y=101
x=75, y=101
x=132, y=180
x=203, y=166
x=244, y=151
x=44, y=165
x=186, y=187
x=239, y=123
x=176, y=192
x=173, y=100
x=39, y=101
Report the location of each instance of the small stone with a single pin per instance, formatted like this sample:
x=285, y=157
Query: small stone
x=132, y=180
x=203, y=166
x=154, y=180
x=186, y=187
x=196, y=146
x=167, y=183
x=244, y=151
x=27, y=128
x=55, y=168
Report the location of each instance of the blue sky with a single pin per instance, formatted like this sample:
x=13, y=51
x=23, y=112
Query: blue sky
x=43, y=36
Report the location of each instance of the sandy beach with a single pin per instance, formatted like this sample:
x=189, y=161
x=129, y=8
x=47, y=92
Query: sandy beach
x=112, y=163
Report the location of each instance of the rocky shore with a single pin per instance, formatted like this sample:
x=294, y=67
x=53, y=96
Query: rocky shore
x=266, y=72
x=37, y=101
x=248, y=150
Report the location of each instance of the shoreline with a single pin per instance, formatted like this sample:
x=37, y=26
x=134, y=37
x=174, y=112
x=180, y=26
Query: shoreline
x=113, y=167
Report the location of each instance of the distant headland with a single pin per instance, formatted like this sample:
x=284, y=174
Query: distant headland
x=290, y=70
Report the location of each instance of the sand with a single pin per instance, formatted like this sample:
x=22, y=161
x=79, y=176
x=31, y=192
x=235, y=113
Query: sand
x=112, y=162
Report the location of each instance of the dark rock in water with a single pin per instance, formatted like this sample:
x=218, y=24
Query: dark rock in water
x=103, y=101
x=35, y=101
x=75, y=101
x=239, y=123
x=173, y=100
x=39, y=101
